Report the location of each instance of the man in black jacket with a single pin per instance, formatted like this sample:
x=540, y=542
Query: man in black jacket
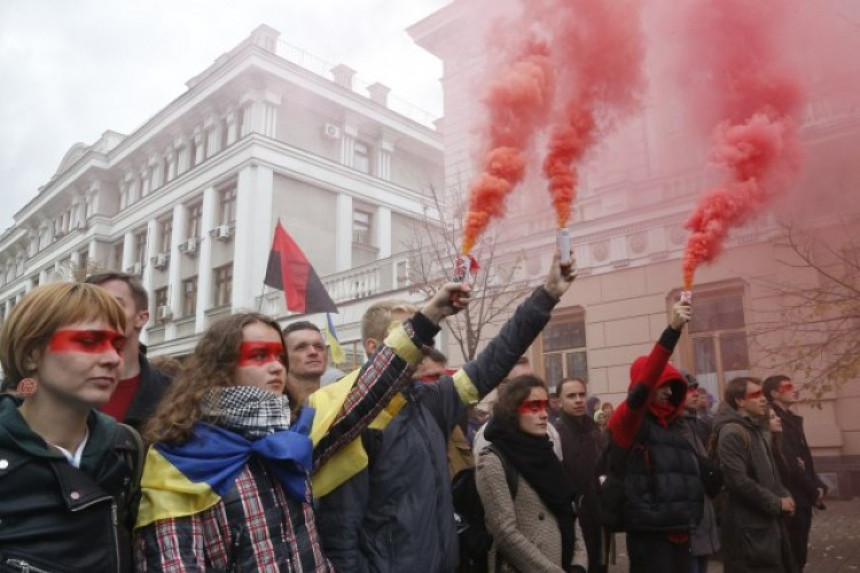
x=581, y=444
x=806, y=487
x=141, y=386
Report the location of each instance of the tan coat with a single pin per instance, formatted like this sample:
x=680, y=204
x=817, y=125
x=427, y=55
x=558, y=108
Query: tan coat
x=525, y=532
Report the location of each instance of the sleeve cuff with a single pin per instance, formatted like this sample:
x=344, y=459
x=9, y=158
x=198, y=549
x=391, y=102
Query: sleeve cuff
x=424, y=328
x=670, y=338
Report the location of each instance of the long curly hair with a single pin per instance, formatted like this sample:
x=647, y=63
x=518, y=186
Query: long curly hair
x=512, y=395
x=211, y=366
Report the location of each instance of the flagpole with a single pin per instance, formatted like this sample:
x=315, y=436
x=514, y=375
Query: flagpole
x=260, y=300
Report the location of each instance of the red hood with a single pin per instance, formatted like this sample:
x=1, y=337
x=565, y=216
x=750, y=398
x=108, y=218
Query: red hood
x=671, y=376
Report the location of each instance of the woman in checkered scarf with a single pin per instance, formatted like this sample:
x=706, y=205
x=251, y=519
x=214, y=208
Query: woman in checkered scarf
x=226, y=484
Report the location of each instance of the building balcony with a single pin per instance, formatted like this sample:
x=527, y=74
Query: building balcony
x=384, y=276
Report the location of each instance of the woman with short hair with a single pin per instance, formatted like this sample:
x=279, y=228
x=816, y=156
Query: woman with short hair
x=67, y=472
x=531, y=520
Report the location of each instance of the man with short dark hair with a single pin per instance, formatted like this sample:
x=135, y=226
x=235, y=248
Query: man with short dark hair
x=582, y=443
x=307, y=358
x=755, y=499
x=805, y=486
x=141, y=386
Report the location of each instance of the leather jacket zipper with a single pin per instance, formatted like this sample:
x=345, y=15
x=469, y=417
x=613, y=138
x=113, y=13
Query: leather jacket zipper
x=114, y=523
x=25, y=567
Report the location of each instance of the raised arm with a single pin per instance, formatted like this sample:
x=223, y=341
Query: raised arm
x=340, y=420
x=626, y=419
x=477, y=378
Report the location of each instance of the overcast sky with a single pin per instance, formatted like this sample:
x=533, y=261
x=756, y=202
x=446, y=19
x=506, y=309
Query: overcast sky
x=70, y=70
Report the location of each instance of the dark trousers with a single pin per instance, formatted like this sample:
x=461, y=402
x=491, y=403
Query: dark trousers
x=654, y=553
x=798, y=533
x=592, y=534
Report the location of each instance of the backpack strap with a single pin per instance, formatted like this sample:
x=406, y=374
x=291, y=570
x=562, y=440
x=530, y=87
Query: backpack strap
x=127, y=436
x=511, y=474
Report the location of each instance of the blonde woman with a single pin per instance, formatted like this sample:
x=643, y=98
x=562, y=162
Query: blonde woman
x=66, y=471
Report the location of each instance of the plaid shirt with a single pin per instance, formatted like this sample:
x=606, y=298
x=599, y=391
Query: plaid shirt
x=256, y=527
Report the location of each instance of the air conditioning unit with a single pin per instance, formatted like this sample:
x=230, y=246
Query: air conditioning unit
x=160, y=260
x=135, y=269
x=223, y=232
x=189, y=247
x=164, y=313
x=331, y=131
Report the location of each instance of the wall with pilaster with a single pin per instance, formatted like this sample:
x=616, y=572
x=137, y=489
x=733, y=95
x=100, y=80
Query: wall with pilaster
x=308, y=214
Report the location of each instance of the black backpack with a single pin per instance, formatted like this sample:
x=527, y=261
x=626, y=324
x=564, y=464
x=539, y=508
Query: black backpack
x=609, y=474
x=475, y=541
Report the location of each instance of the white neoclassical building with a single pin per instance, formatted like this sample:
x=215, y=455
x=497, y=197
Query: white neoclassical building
x=189, y=200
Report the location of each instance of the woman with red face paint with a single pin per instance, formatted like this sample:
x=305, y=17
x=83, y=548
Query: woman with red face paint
x=67, y=472
x=227, y=485
x=527, y=501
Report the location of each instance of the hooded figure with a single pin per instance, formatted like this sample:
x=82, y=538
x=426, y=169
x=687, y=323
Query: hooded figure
x=663, y=492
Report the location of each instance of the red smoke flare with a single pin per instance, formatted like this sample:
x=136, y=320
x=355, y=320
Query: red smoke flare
x=518, y=102
x=756, y=100
x=599, y=51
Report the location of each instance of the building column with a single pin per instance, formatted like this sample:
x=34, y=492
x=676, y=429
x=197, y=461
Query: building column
x=231, y=119
x=43, y=276
x=155, y=180
x=212, y=129
x=343, y=233
x=127, y=251
x=144, y=181
x=204, y=266
x=170, y=156
x=347, y=147
x=253, y=234
x=382, y=223
x=183, y=155
x=148, y=270
x=174, y=274
x=199, y=146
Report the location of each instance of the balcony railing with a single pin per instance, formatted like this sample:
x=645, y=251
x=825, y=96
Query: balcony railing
x=376, y=278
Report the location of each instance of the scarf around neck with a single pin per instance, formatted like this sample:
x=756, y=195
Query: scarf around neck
x=247, y=410
x=534, y=459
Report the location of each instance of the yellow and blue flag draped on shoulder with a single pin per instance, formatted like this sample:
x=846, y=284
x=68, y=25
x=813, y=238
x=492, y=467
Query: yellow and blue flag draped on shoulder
x=179, y=481
x=334, y=347
x=329, y=402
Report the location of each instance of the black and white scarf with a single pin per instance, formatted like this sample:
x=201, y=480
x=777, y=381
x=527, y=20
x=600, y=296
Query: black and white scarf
x=247, y=410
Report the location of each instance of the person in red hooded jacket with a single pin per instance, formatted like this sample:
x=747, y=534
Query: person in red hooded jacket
x=664, y=494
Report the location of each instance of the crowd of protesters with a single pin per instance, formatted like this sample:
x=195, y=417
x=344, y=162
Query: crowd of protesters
x=240, y=458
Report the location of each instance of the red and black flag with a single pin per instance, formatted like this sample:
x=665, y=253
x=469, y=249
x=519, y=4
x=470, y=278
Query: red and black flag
x=289, y=270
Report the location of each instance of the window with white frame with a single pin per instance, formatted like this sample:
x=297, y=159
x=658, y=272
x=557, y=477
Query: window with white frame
x=361, y=226
x=563, y=347
x=716, y=338
x=361, y=156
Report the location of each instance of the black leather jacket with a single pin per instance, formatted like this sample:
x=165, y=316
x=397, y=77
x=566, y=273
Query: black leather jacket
x=55, y=517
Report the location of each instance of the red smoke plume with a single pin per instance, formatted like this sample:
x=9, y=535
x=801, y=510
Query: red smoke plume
x=754, y=100
x=592, y=58
x=599, y=50
x=518, y=102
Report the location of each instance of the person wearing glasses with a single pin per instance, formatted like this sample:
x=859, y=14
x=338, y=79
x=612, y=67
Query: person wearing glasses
x=755, y=500
x=805, y=486
x=531, y=523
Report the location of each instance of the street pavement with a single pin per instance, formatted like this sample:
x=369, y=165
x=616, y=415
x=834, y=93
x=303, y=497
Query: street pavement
x=834, y=542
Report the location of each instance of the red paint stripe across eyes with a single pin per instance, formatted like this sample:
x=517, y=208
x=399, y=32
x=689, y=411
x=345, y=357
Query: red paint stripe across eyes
x=258, y=353
x=89, y=341
x=533, y=406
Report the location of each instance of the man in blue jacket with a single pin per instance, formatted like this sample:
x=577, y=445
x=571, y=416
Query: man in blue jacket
x=396, y=513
